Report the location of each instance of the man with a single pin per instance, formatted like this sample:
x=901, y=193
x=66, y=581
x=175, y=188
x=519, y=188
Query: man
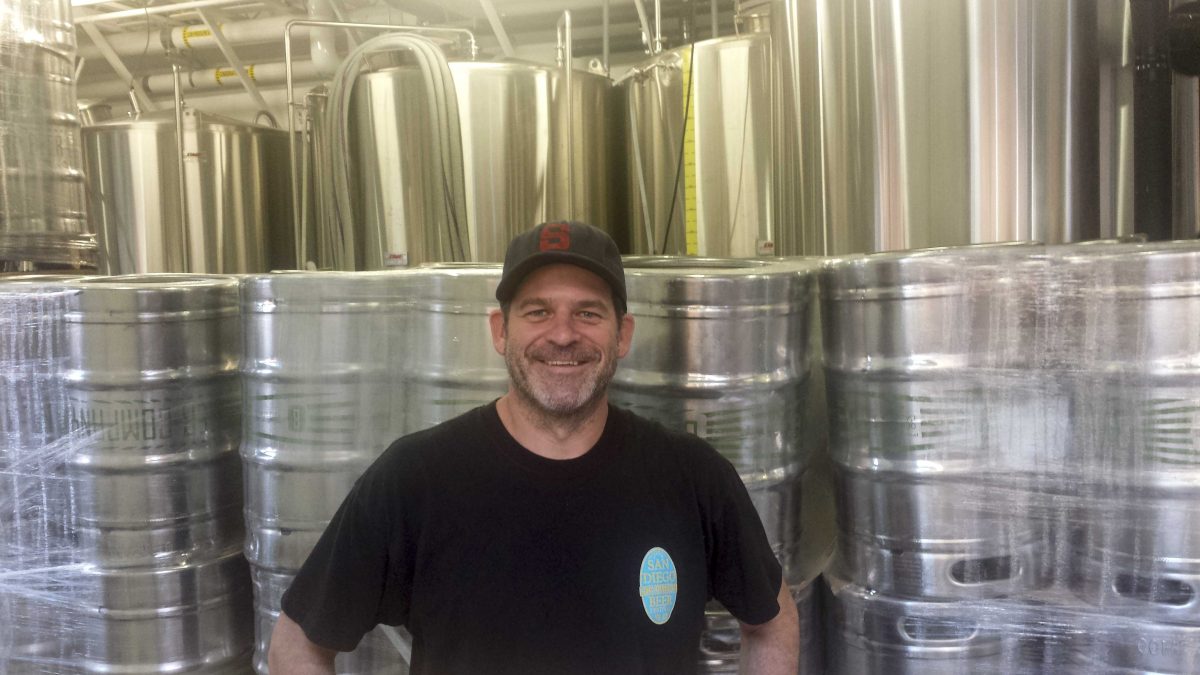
x=547, y=532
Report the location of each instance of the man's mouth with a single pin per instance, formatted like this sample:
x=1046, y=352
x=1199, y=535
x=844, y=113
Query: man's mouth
x=562, y=363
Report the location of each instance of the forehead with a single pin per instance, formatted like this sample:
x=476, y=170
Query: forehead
x=565, y=281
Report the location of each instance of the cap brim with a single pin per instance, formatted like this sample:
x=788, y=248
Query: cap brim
x=512, y=280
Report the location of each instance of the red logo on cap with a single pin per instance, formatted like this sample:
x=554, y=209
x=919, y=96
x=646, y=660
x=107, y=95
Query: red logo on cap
x=555, y=237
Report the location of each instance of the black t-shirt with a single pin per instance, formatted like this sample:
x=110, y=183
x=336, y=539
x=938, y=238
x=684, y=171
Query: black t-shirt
x=501, y=561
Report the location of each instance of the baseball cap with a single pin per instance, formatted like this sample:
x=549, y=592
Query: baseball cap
x=568, y=242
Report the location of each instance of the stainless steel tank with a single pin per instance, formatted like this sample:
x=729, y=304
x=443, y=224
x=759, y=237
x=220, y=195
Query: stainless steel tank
x=875, y=633
x=698, y=150
x=325, y=354
x=524, y=142
x=1136, y=415
x=234, y=196
x=454, y=366
x=153, y=405
x=938, y=432
x=43, y=221
x=951, y=122
x=722, y=349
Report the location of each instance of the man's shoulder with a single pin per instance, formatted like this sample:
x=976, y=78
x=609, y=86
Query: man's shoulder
x=417, y=450
x=652, y=436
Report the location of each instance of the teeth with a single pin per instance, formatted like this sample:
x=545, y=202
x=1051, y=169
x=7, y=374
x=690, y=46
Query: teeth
x=563, y=363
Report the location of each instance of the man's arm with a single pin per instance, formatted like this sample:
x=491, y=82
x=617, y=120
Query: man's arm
x=773, y=648
x=292, y=653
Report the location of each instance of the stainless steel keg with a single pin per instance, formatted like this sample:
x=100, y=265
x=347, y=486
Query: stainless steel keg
x=938, y=430
x=874, y=633
x=153, y=407
x=454, y=366
x=1137, y=411
x=722, y=349
x=190, y=617
x=324, y=356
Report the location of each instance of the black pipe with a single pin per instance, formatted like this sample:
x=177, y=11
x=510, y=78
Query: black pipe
x=1152, y=170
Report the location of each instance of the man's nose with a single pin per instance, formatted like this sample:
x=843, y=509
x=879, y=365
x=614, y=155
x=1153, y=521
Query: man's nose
x=562, y=330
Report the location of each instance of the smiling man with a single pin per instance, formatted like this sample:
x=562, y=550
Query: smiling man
x=548, y=532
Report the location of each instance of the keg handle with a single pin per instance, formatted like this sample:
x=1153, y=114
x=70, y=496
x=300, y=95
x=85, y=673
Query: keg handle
x=566, y=54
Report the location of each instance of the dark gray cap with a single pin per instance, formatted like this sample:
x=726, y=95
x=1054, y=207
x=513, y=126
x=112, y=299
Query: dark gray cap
x=568, y=242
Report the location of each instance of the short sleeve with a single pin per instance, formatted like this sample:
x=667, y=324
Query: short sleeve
x=744, y=575
x=357, y=575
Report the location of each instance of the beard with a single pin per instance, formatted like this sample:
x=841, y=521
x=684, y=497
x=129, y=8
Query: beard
x=561, y=396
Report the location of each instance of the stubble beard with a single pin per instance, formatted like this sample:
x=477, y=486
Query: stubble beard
x=555, y=405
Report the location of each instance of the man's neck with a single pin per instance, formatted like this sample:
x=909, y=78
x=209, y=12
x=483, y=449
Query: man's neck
x=551, y=436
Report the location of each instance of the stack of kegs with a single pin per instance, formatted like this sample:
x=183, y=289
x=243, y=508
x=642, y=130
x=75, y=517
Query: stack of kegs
x=723, y=348
x=937, y=418
x=152, y=402
x=1136, y=442
x=453, y=365
x=324, y=356
x=34, y=490
x=1014, y=431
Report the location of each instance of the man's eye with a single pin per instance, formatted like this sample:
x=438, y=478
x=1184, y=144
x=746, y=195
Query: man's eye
x=589, y=315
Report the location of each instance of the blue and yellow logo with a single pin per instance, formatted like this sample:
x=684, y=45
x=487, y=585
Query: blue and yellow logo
x=659, y=585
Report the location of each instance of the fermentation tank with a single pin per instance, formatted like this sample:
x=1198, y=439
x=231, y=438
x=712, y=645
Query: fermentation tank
x=529, y=154
x=697, y=129
x=43, y=222
x=235, y=200
x=948, y=122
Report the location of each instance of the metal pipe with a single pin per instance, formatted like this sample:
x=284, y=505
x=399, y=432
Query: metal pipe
x=180, y=167
x=159, y=9
x=566, y=55
x=234, y=61
x=657, y=26
x=604, y=38
x=291, y=95
x=646, y=34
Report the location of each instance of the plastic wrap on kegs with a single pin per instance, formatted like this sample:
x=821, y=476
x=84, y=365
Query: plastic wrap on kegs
x=936, y=429
x=1137, y=411
x=34, y=489
x=324, y=356
x=721, y=349
x=454, y=366
x=153, y=403
x=873, y=633
x=43, y=221
x=1120, y=643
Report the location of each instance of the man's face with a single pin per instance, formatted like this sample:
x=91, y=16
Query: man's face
x=561, y=339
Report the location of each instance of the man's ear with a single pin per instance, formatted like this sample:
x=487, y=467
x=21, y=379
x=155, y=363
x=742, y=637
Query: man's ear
x=624, y=335
x=499, y=336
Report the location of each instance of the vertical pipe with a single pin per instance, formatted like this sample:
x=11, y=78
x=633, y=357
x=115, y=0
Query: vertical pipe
x=658, y=26
x=604, y=20
x=712, y=12
x=566, y=55
x=1152, y=198
x=180, y=167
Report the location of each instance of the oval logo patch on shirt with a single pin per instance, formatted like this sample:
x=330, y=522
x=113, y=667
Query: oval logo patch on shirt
x=658, y=585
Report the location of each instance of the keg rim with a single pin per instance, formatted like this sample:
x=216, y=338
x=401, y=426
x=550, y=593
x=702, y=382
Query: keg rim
x=155, y=281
